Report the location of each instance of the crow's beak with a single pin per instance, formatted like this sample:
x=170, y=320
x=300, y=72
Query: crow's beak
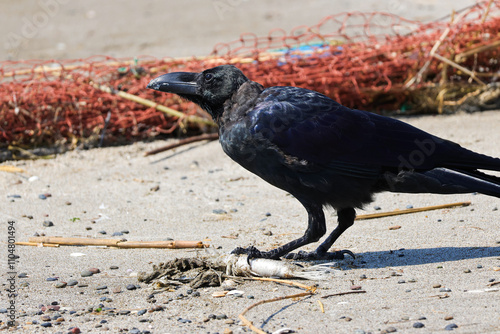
x=183, y=83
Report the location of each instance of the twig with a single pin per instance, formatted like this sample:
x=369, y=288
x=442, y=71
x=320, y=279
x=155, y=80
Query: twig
x=281, y=281
x=493, y=283
x=249, y=323
x=321, y=307
x=344, y=293
x=402, y=212
x=205, y=136
x=35, y=241
x=461, y=68
x=459, y=57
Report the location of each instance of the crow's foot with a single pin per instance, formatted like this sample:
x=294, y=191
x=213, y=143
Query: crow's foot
x=301, y=255
x=252, y=252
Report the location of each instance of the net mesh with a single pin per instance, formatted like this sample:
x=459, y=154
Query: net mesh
x=374, y=61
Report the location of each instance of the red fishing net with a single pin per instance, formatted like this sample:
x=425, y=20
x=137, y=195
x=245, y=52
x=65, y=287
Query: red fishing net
x=373, y=61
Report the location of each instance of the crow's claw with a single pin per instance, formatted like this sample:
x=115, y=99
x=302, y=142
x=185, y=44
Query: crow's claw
x=252, y=252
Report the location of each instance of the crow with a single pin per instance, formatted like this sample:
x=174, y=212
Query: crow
x=323, y=153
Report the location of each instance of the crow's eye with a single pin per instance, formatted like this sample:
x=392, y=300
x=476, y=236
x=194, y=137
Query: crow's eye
x=209, y=77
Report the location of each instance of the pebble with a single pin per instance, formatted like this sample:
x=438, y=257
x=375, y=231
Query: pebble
x=467, y=271
x=436, y=286
x=3, y=310
x=250, y=297
x=131, y=287
x=45, y=318
x=113, y=267
x=72, y=282
x=141, y=312
x=235, y=293
x=75, y=330
x=86, y=273
x=101, y=287
x=219, y=211
x=445, y=290
x=356, y=287
x=401, y=281
x=46, y=324
x=60, y=285
x=409, y=206
x=14, y=196
x=48, y=223
x=23, y=275
x=184, y=321
x=418, y=325
x=450, y=327
x=269, y=233
x=95, y=270
x=229, y=321
x=220, y=316
x=82, y=285
x=52, y=279
x=116, y=290
x=448, y=317
x=102, y=232
x=123, y=312
x=376, y=207
x=390, y=330
x=479, y=266
x=117, y=234
x=42, y=196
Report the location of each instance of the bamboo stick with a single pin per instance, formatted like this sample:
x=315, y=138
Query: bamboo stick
x=160, y=244
x=151, y=104
x=36, y=244
x=406, y=211
x=75, y=241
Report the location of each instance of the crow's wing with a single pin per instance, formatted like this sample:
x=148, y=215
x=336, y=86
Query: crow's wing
x=310, y=126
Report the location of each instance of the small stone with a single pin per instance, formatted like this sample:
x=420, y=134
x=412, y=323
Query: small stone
x=467, y=271
x=267, y=232
x=356, y=287
x=3, y=310
x=75, y=330
x=60, y=285
x=48, y=223
x=363, y=276
x=229, y=321
x=116, y=290
x=86, y=273
x=131, y=287
x=23, y=275
x=479, y=266
x=95, y=270
x=376, y=207
x=409, y=206
x=184, y=321
x=82, y=285
x=117, y=234
x=113, y=267
x=45, y=318
x=448, y=317
x=418, y=325
x=235, y=293
x=52, y=279
x=390, y=330
x=135, y=331
x=103, y=232
x=219, y=212
x=450, y=327
x=412, y=280
x=445, y=290
x=221, y=316
x=250, y=297
x=401, y=281
x=101, y=287
x=72, y=282
x=141, y=312
x=42, y=196
x=46, y=324
x=422, y=318
x=395, y=227
x=123, y=312
x=219, y=294
x=436, y=286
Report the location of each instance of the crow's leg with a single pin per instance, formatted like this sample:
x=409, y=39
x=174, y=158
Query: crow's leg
x=345, y=220
x=315, y=230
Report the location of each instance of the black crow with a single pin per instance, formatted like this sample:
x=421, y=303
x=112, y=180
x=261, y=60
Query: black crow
x=323, y=153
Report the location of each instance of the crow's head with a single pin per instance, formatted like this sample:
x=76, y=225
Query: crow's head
x=209, y=89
